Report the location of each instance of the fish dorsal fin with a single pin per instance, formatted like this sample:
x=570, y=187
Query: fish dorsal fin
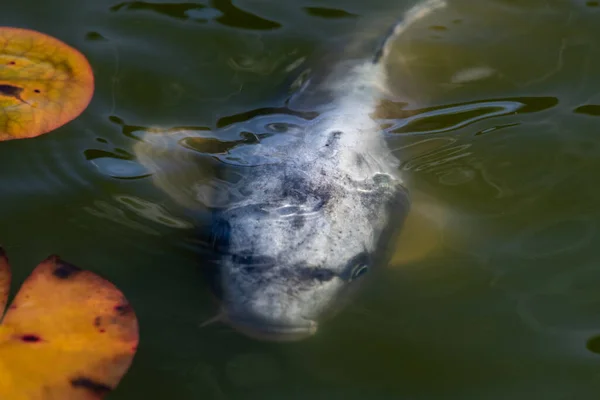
x=426, y=229
x=412, y=15
x=365, y=45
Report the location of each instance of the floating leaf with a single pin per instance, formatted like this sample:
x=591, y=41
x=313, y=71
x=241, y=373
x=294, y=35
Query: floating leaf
x=44, y=83
x=68, y=334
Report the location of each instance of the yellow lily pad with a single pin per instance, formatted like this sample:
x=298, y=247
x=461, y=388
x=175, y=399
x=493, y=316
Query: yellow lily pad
x=44, y=83
x=68, y=334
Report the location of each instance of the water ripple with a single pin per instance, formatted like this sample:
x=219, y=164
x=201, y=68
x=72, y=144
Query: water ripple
x=115, y=165
x=152, y=212
x=451, y=118
x=438, y=157
x=328, y=13
x=222, y=11
x=269, y=112
x=238, y=18
x=588, y=109
x=182, y=11
x=105, y=210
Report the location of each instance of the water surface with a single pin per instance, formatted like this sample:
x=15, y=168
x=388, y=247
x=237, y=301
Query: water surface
x=493, y=109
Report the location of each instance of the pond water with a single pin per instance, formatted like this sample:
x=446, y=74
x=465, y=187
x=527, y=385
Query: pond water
x=499, y=132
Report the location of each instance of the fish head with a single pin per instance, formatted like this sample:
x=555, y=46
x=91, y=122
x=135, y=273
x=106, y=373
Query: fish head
x=285, y=265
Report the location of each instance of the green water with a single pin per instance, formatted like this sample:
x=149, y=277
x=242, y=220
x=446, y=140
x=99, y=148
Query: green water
x=508, y=306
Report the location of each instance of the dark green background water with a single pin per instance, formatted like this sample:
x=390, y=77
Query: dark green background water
x=511, y=310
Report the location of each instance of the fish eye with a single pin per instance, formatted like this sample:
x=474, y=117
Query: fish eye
x=359, y=270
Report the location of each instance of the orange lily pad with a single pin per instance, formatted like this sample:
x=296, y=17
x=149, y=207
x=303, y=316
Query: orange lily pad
x=68, y=334
x=44, y=83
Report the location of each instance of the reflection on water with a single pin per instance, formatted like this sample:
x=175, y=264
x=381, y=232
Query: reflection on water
x=492, y=109
x=456, y=116
x=116, y=164
x=588, y=109
x=222, y=11
x=103, y=209
x=331, y=13
x=180, y=11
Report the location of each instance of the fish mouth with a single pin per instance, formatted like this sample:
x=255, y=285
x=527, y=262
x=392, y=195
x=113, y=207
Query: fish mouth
x=273, y=332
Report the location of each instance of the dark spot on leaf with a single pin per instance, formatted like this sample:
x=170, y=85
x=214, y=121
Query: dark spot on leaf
x=94, y=387
x=97, y=321
x=64, y=270
x=30, y=338
x=37, y=90
x=10, y=90
x=102, y=330
x=123, y=309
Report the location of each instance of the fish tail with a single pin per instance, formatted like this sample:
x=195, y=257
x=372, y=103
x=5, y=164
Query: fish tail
x=417, y=12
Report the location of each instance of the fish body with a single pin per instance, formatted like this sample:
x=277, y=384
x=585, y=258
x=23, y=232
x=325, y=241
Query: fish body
x=312, y=223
